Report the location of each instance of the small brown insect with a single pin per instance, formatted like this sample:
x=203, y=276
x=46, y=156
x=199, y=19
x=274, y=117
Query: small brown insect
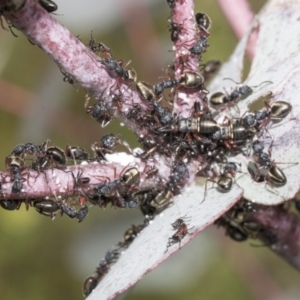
x=181, y=232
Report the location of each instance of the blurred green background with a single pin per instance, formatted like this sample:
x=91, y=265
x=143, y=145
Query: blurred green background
x=44, y=259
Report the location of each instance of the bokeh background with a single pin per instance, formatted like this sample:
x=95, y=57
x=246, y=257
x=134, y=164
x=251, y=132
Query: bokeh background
x=45, y=259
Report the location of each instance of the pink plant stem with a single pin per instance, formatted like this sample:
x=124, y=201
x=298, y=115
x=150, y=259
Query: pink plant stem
x=60, y=182
x=185, y=61
x=286, y=227
x=240, y=16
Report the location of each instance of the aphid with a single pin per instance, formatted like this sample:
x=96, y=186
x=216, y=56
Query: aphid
x=111, y=256
x=178, y=236
x=107, y=145
x=203, y=21
x=46, y=207
x=164, y=115
x=76, y=153
x=145, y=90
x=179, y=174
x=113, y=192
x=191, y=80
x=249, y=120
x=109, y=141
x=200, y=46
x=132, y=203
x=82, y=213
x=48, y=5
x=100, y=112
x=115, y=66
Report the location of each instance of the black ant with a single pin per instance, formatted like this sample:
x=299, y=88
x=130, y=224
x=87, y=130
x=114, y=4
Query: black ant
x=203, y=21
x=241, y=92
x=48, y=5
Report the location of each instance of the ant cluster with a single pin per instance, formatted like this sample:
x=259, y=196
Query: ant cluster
x=111, y=257
x=240, y=224
x=27, y=158
x=200, y=137
x=39, y=158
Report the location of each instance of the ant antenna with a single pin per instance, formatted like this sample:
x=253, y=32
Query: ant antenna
x=253, y=86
